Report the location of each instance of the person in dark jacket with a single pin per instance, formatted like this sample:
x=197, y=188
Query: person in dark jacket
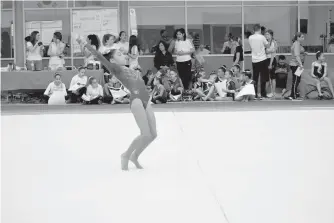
x=163, y=59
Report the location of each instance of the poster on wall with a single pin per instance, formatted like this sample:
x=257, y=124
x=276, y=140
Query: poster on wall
x=45, y=28
x=97, y=21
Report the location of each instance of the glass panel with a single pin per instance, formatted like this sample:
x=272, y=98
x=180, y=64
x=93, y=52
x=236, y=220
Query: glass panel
x=208, y=3
x=317, y=22
x=93, y=3
x=315, y=2
x=45, y=4
x=6, y=4
x=249, y=2
x=94, y=21
x=214, y=25
x=47, y=22
x=157, y=3
x=281, y=20
x=148, y=22
x=7, y=32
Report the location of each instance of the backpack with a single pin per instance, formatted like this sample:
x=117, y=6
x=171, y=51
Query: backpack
x=312, y=93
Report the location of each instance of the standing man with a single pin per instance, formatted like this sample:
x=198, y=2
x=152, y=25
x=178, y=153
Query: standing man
x=258, y=44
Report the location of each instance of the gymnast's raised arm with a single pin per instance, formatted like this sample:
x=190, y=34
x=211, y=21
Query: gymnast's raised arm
x=112, y=67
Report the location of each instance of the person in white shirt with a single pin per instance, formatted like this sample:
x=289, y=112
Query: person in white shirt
x=55, y=93
x=123, y=45
x=56, y=52
x=108, y=43
x=183, y=49
x=258, y=44
x=94, y=93
x=271, y=60
x=78, y=85
x=34, y=52
x=94, y=41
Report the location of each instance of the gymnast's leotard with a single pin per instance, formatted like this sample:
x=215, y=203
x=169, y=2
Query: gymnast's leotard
x=130, y=78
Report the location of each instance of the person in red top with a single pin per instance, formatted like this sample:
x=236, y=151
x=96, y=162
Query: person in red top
x=139, y=105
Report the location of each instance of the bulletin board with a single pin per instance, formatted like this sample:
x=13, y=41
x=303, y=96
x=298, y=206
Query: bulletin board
x=95, y=21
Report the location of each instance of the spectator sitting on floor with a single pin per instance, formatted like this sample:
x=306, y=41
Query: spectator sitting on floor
x=78, y=85
x=94, y=93
x=55, y=93
x=164, y=75
x=224, y=85
x=319, y=73
x=238, y=77
x=247, y=91
x=203, y=85
x=176, y=86
x=148, y=79
x=119, y=94
x=160, y=94
x=282, y=70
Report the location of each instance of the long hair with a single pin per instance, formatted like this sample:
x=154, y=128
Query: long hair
x=272, y=35
x=33, y=37
x=158, y=48
x=58, y=36
x=182, y=31
x=120, y=34
x=133, y=42
x=94, y=40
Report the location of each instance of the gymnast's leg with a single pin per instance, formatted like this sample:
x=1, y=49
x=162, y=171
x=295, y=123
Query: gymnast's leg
x=145, y=137
x=153, y=129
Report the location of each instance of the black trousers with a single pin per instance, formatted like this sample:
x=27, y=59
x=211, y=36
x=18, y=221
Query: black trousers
x=74, y=98
x=295, y=82
x=108, y=99
x=184, y=70
x=260, y=69
x=163, y=100
x=95, y=101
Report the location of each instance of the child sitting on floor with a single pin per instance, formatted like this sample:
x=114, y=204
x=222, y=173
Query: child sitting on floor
x=159, y=95
x=176, y=86
x=203, y=85
x=224, y=85
x=119, y=93
x=247, y=91
x=281, y=73
x=94, y=93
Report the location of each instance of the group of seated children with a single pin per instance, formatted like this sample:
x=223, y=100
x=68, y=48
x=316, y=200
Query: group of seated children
x=86, y=90
x=224, y=85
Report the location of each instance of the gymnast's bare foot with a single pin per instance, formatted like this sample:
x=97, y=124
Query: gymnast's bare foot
x=134, y=160
x=124, y=162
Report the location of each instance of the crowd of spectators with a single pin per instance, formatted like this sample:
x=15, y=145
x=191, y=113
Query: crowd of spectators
x=182, y=78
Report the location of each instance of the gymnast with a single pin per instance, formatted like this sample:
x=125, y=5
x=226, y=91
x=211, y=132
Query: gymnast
x=139, y=102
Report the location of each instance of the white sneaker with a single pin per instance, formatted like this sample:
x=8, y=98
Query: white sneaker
x=270, y=95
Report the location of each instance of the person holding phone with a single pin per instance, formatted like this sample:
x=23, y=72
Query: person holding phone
x=34, y=52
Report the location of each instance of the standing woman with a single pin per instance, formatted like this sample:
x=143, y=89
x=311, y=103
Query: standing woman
x=34, y=52
x=123, y=45
x=95, y=42
x=184, y=48
x=238, y=55
x=271, y=60
x=56, y=52
x=229, y=45
x=297, y=60
x=163, y=59
x=133, y=52
x=247, y=47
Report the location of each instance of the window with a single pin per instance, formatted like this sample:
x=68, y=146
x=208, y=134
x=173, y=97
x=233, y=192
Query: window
x=6, y=4
x=269, y=3
x=47, y=22
x=7, y=33
x=148, y=22
x=317, y=22
x=93, y=21
x=45, y=4
x=156, y=3
x=212, y=3
x=282, y=20
x=94, y=3
x=214, y=26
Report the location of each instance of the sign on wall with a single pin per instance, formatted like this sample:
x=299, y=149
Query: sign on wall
x=96, y=21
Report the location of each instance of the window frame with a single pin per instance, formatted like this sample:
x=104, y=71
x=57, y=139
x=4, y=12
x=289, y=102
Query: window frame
x=14, y=41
